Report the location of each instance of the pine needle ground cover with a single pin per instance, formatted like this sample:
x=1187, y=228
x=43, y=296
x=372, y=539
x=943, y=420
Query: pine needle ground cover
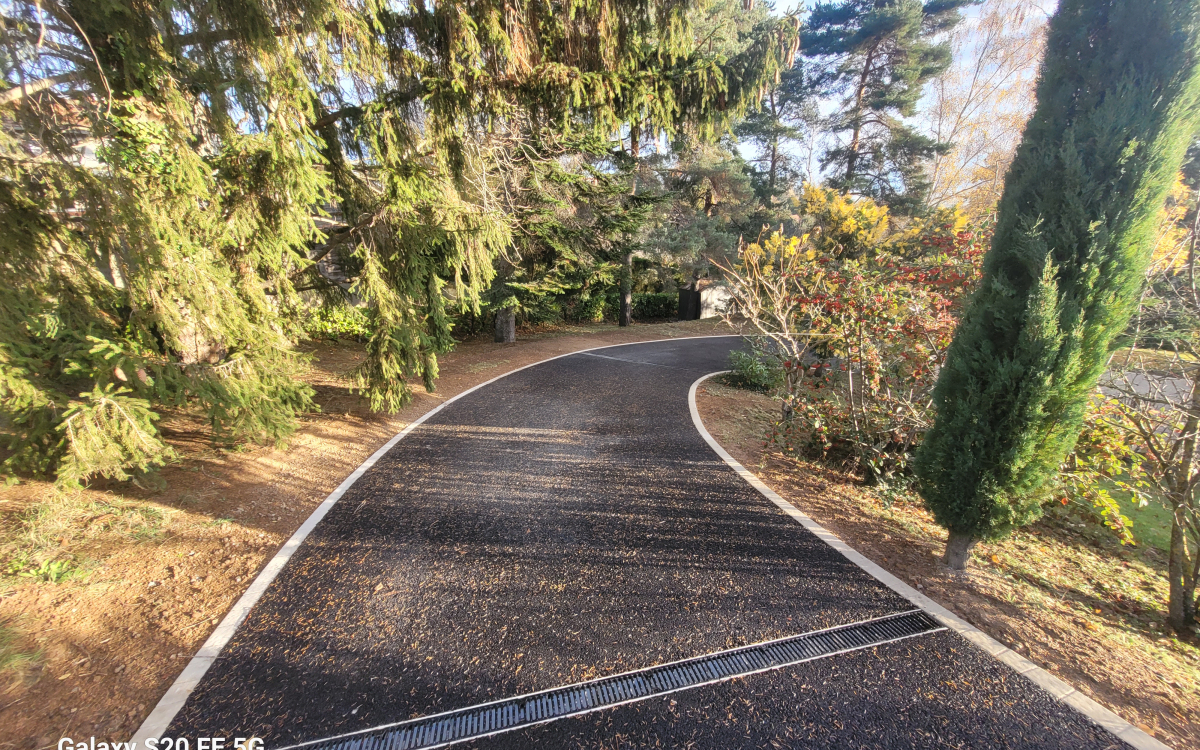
x=1061, y=592
x=103, y=600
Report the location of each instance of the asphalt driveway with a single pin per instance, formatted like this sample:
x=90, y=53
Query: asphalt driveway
x=565, y=523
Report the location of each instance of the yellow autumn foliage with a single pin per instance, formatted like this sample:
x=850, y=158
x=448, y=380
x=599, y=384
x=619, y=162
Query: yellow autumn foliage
x=847, y=227
x=1173, y=240
x=844, y=227
x=945, y=222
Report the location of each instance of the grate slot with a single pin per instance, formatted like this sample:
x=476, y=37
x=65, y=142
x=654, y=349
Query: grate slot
x=499, y=716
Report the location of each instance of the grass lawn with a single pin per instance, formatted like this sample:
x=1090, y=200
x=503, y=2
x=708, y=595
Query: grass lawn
x=1151, y=524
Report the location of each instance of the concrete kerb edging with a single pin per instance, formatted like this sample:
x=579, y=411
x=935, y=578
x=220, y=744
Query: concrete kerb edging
x=172, y=701
x=1060, y=690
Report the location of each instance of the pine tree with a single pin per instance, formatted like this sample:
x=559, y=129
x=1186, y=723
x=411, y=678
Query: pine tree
x=878, y=55
x=163, y=170
x=1117, y=101
x=786, y=116
x=711, y=203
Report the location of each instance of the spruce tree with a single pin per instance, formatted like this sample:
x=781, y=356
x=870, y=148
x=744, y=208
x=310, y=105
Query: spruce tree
x=878, y=55
x=1117, y=101
x=577, y=218
x=738, y=51
x=166, y=171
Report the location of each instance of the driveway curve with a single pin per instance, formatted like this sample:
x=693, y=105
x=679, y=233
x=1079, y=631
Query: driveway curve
x=567, y=522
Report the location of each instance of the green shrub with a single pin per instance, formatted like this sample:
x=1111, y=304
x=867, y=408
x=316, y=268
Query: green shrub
x=545, y=311
x=338, y=323
x=655, y=306
x=753, y=373
x=586, y=308
x=612, y=305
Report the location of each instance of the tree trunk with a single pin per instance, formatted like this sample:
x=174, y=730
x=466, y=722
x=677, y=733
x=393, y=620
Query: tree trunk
x=859, y=93
x=1192, y=255
x=958, y=550
x=1181, y=603
x=506, y=326
x=1181, y=598
x=626, y=317
x=774, y=149
x=774, y=166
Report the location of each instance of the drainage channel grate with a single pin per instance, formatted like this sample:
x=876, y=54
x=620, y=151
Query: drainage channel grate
x=557, y=703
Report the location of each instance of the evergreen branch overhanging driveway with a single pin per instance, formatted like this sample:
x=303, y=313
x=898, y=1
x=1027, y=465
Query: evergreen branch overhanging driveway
x=568, y=522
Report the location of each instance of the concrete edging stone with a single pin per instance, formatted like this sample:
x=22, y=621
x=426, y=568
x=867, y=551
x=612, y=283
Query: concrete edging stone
x=1061, y=691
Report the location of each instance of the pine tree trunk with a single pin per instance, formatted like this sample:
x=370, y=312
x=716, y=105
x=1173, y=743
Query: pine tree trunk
x=774, y=166
x=774, y=149
x=506, y=326
x=626, y=317
x=958, y=550
x=856, y=134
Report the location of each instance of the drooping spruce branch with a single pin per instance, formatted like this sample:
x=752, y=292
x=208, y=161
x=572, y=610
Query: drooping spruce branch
x=163, y=171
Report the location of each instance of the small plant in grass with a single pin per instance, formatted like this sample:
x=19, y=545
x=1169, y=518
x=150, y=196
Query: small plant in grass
x=50, y=571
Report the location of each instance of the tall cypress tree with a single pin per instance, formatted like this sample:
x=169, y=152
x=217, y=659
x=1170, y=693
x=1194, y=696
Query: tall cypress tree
x=878, y=55
x=1117, y=102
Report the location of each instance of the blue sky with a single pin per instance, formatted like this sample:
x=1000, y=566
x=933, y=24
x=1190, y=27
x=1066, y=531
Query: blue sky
x=970, y=17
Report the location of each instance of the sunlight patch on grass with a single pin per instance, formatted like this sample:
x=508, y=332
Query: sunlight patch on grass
x=44, y=544
x=14, y=662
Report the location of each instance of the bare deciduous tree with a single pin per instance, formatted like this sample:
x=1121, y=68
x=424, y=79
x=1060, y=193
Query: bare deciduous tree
x=1159, y=392
x=982, y=102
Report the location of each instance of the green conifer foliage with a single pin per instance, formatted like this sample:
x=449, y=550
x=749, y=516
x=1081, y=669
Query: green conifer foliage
x=878, y=55
x=164, y=171
x=788, y=111
x=1117, y=102
x=576, y=217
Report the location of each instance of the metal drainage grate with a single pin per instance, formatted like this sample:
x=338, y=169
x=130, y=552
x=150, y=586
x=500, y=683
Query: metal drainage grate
x=557, y=703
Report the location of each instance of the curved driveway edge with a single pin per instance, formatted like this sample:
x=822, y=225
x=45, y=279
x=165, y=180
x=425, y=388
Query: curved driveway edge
x=1057, y=688
x=575, y=507
x=176, y=696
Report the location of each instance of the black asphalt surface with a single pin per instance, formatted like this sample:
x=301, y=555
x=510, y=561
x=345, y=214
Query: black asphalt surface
x=567, y=522
x=936, y=691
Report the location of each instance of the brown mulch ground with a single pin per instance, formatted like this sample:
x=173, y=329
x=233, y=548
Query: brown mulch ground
x=158, y=568
x=1089, y=612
